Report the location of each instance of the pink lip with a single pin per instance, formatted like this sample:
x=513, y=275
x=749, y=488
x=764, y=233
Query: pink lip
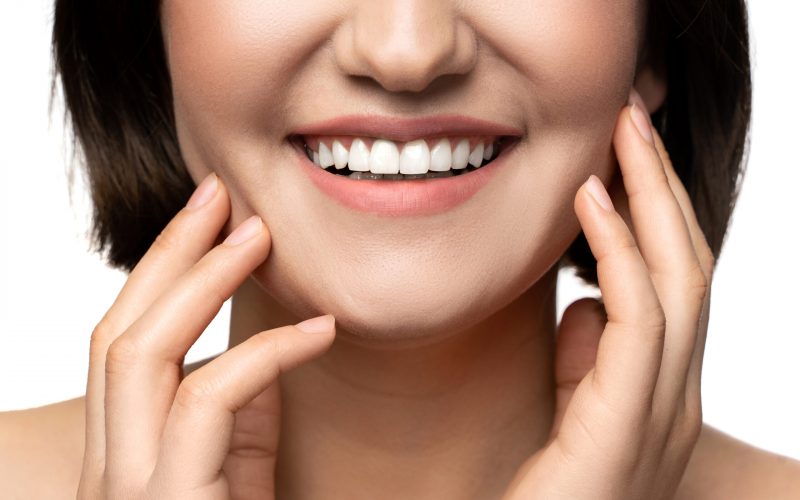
x=406, y=129
x=396, y=197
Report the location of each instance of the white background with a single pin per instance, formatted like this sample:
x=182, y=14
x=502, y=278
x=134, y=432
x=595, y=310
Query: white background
x=54, y=291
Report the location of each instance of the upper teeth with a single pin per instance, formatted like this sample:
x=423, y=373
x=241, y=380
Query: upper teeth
x=415, y=157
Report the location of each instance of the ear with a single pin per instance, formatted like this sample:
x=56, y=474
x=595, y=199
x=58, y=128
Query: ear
x=651, y=83
x=652, y=86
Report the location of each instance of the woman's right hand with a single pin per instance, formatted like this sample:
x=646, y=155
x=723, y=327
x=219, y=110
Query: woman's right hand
x=213, y=434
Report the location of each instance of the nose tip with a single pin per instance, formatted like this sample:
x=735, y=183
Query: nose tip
x=405, y=45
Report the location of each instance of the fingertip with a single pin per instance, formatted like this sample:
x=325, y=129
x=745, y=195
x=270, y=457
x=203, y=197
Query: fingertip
x=319, y=325
x=597, y=191
x=204, y=192
x=252, y=226
x=641, y=122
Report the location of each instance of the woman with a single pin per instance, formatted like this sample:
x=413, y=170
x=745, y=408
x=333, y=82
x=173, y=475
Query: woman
x=440, y=377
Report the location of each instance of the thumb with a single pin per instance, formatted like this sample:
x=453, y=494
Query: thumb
x=579, y=334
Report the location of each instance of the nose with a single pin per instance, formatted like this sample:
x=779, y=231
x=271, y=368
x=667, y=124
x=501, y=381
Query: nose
x=405, y=44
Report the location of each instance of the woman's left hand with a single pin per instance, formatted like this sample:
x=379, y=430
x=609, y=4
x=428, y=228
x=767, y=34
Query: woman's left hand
x=628, y=409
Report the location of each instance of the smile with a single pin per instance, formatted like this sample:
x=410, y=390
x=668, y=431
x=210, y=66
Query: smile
x=402, y=167
x=376, y=159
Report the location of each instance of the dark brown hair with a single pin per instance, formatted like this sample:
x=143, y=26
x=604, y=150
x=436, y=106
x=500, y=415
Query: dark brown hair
x=112, y=67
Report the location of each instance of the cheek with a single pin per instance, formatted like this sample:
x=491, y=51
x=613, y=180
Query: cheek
x=577, y=61
x=576, y=57
x=238, y=67
x=231, y=64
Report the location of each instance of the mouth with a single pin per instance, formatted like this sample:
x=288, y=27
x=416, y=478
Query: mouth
x=396, y=166
x=371, y=158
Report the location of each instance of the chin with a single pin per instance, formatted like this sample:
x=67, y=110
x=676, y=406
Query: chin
x=400, y=307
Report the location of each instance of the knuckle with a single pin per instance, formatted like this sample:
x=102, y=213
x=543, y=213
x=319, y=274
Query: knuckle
x=194, y=392
x=690, y=421
x=102, y=335
x=211, y=277
x=271, y=345
x=656, y=318
x=694, y=411
x=697, y=282
x=622, y=249
x=122, y=354
x=707, y=260
x=167, y=240
x=652, y=319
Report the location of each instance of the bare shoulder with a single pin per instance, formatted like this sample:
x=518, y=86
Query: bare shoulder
x=723, y=467
x=41, y=450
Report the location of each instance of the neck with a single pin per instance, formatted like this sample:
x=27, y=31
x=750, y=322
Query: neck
x=454, y=418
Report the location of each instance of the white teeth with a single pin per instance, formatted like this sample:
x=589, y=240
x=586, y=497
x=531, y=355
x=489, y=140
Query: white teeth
x=384, y=158
x=476, y=157
x=415, y=158
x=325, y=156
x=359, y=156
x=340, y=155
x=487, y=153
x=441, y=157
x=460, y=154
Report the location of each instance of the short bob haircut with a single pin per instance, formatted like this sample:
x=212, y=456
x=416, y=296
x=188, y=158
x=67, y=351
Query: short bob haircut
x=111, y=62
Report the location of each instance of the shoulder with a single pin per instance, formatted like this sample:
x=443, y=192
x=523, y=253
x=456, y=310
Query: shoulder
x=723, y=467
x=41, y=450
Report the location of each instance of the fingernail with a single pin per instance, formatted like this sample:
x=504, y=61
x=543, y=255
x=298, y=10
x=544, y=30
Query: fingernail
x=635, y=97
x=320, y=324
x=204, y=192
x=245, y=231
x=599, y=193
x=642, y=122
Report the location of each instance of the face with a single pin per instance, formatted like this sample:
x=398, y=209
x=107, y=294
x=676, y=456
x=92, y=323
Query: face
x=248, y=75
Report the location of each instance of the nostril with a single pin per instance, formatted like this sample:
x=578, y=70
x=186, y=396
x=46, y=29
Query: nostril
x=405, y=47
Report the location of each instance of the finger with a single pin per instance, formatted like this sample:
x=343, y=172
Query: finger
x=188, y=236
x=629, y=351
x=663, y=238
x=143, y=367
x=576, y=349
x=208, y=399
x=185, y=239
x=250, y=463
x=701, y=247
x=694, y=374
x=707, y=264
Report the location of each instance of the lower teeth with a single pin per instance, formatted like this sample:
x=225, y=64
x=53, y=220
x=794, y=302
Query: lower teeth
x=346, y=172
x=371, y=176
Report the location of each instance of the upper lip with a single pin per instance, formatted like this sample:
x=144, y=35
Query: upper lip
x=407, y=129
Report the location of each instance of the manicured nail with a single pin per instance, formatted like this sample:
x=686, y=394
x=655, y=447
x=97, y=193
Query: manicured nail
x=642, y=122
x=204, y=192
x=320, y=324
x=599, y=193
x=245, y=231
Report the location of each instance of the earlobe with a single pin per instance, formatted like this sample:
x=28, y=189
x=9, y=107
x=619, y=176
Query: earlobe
x=652, y=87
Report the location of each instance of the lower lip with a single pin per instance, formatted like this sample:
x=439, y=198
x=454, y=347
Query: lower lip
x=402, y=197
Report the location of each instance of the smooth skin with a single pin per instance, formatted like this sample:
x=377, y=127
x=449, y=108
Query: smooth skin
x=627, y=416
x=626, y=427
x=628, y=410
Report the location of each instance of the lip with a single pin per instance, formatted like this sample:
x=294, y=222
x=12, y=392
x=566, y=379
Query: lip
x=400, y=197
x=406, y=129
x=393, y=198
